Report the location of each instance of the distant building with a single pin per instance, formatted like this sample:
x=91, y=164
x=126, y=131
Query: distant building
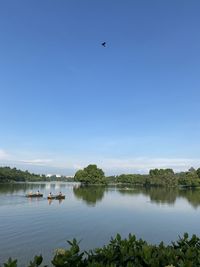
x=59, y=176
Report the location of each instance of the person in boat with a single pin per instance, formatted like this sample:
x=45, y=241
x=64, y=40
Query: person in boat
x=38, y=192
x=60, y=194
x=50, y=195
x=30, y=193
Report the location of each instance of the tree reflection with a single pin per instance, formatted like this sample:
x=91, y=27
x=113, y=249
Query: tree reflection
x=93, y=194
x=16, y=187
x=162, y=195
x=165, y=195
x=192, y=196
x=90, y=194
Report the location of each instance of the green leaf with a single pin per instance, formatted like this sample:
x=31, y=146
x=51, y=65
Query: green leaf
x=10, y=263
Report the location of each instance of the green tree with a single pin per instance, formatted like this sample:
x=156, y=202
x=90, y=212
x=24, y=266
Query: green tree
x=14, y=175
x=163, y=177
x=190, y=179
x=90, y=175
x=191, y=169
x=198, y=172
x=133, y=179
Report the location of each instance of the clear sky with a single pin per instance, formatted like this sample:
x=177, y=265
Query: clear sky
x=67, y=101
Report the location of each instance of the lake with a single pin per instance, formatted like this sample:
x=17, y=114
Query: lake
x=91, y=215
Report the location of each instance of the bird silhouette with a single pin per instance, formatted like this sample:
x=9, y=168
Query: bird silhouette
x=104, y=44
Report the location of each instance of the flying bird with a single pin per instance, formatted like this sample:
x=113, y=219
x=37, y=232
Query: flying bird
x=104, y=44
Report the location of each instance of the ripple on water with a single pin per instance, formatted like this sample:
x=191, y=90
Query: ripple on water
x=30, y=226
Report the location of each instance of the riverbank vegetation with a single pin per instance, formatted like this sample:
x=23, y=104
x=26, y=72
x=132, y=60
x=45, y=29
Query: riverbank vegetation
x=8, y=175
x=129, y=252
x=156, y=177
x=162, y=177
x=94, y=175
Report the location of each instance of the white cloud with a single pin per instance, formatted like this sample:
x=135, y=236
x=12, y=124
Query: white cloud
x=143, y=164
x=40, y=162
x=78, y=166
x=109, y=165
x=3, y=155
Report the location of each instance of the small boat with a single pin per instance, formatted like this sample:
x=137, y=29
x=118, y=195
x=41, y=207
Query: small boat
x=56, y=197
x=34, y=195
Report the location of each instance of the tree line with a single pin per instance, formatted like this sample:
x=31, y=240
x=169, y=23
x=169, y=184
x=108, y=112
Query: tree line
x=94, y=175
x=8, y=174
x=162, y=177
x=156, y=177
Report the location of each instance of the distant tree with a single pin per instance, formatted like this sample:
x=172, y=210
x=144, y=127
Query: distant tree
x=198, y=172
x=160, y=172
x=162, y=177
x=134, y=179
x=111, y=179
x=191, y=169
x=90, y=175
x=190, y=179
x=9, y=175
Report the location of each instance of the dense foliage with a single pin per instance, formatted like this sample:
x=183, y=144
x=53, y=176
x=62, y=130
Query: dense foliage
x=93, y=175
x=134, y=179
x=162, y=177
x=7, y=174
x=90, y=175
x=190, y=178
x=128, y=252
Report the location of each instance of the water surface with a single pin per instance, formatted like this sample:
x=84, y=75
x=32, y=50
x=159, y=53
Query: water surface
x=92, y=215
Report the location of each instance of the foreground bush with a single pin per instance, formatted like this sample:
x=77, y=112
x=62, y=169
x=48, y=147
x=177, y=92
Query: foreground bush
x=126, y=252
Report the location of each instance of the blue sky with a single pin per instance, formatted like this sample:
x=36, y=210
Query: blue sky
x=66, y=101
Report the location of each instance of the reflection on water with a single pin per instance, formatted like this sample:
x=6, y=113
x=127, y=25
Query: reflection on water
x=90, y=194
x=23, y=187
x=14, y=188
x=192, y=196
x=164, y=195
x=57, y=200
x=93, y=214
x=156, y=195
x=160, y=195
x=94, y=194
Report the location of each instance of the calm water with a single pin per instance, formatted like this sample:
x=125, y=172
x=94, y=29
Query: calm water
x=92, y=215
